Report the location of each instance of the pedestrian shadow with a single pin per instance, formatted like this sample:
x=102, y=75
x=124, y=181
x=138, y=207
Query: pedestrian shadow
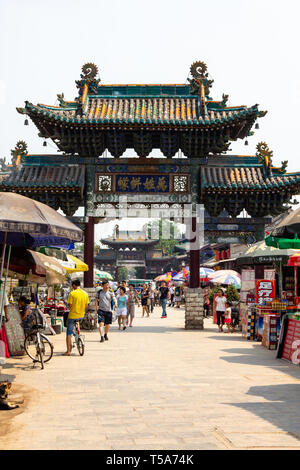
x=151, y=329
x=232, y=337
x=280, y=408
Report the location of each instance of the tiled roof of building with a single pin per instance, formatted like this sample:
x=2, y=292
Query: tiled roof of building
x=244, y=177
x=45, y=177
x=173, y=111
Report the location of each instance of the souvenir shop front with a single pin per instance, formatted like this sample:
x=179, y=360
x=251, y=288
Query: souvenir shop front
x=270, y=299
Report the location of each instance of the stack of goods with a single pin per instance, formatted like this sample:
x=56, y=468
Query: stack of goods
x=278, y=306
x=264, y=309
x=259, y=326
x=251, y=324
x=270, y=331
x=244, y=319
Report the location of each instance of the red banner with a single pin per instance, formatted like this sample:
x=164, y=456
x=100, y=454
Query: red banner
x=265, y=291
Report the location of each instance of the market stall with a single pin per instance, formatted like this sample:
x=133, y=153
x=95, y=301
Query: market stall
x=27, y=223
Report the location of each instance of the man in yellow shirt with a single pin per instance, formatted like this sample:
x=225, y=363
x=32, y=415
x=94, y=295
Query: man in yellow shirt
x=78, y=302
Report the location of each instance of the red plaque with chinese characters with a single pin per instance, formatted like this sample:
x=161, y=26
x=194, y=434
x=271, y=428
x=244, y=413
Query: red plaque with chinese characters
x=265, y=291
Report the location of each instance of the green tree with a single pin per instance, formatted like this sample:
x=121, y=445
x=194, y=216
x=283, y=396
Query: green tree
x=139, y=272
x=167, y=232
x=231, y=293
x=80, y=247
x=123, y=274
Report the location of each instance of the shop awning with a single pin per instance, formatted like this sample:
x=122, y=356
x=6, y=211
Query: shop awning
x=260, y=253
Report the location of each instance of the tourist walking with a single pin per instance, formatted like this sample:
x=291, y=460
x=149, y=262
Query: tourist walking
x=132, y=298
x=156, y=296
x=122, y=301
x=164, y=296
x=228, y=319
x=78, y=303
x=220, y=309
x=206, y=302
x=144, y=299
x=151, y=297
x=105, y=303
x=177, y=296
x=171, y=290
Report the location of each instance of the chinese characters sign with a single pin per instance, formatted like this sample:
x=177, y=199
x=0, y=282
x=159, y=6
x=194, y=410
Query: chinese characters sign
x=127, y=183
x=265, y=291
x=142, y=183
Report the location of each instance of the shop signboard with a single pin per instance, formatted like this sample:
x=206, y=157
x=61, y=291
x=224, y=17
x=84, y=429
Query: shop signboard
x=248, y=279
x=14, y=331
x=291, y=348
x=265, y=291
x=269, y=274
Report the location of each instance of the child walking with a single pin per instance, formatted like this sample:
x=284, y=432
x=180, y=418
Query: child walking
x=228, y=320
x=122, y=301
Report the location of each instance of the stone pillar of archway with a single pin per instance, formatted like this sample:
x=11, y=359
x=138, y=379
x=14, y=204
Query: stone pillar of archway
x=89, y=238
x=194, y=255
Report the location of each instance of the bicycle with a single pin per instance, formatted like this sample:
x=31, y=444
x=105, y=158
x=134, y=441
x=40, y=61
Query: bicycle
x=38, y=346
x=78, y=339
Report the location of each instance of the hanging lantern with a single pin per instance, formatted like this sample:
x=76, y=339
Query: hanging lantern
x=246, y=142
x=256, y=126
x=26, y=123
x=44, y=144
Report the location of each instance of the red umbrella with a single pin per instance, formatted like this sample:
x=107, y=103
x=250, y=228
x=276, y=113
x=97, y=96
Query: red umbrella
x=294, y=260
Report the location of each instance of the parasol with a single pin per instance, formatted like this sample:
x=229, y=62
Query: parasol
x=74, y=265
x=164, y=277
x=28, y=223
x=184, y=274
x=36, y=267
x=103, y=275
x=226, y=276
x=294, y=260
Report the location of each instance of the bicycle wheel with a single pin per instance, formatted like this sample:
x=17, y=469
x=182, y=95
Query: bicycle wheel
x=46, y=347
x=80, y=346
x=31, y=346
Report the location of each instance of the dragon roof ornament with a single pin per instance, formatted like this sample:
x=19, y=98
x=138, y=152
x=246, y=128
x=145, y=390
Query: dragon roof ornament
x=88, y=77
x=200, y=79
x=265, y=155
x=19, y=152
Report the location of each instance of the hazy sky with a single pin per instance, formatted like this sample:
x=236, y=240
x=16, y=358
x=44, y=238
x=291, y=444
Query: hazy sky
x=251, y=48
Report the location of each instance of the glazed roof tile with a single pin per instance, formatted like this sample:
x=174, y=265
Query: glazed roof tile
x=156, y=110
x=241, y=178
x=39, y=177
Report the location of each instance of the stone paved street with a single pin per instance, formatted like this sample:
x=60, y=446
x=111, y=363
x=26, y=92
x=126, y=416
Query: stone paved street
x=156, y=386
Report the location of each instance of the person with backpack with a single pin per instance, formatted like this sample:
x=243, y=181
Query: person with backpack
x=177, y=297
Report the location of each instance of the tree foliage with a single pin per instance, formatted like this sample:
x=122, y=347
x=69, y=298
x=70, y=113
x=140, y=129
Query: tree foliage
x=167, y=232
x=123, y=274
x=231, y=293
